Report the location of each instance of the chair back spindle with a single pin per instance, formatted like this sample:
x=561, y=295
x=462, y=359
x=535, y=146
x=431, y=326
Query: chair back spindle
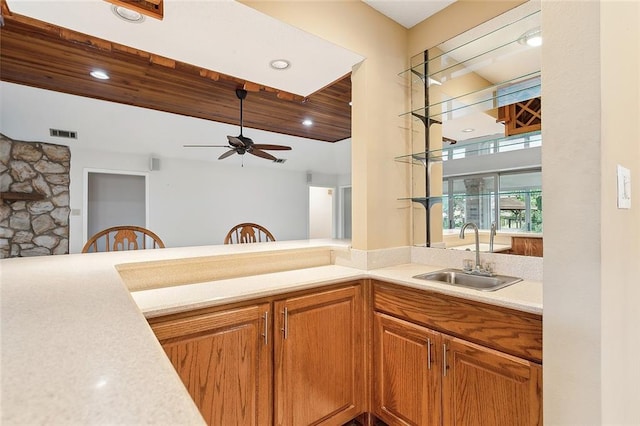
x=248, y=233
x=119, y=238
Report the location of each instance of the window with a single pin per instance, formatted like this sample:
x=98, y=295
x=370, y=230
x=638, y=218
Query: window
x=512, y=200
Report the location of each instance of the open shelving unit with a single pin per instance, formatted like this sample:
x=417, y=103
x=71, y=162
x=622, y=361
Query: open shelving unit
x=485, y=73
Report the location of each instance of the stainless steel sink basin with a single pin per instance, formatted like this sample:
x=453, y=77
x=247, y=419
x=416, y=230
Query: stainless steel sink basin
x=459, y=278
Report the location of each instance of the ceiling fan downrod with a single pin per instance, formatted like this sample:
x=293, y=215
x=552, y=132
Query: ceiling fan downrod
x=241, y=94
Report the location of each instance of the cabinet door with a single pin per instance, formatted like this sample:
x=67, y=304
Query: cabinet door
x=319, y=358
x=407, y=372
x=489, y=388
x=224, y=360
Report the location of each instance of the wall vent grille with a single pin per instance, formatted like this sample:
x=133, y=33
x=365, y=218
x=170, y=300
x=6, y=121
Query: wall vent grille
x=279, y=160
x=69, y=134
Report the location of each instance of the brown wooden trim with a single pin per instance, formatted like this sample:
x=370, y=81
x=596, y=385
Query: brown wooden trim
x=10, y=197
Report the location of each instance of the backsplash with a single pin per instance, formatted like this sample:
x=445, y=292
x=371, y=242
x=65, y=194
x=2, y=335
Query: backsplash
x=34, y=227
x=525, y=267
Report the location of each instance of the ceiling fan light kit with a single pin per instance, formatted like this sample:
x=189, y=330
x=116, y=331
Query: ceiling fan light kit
x=241, y=144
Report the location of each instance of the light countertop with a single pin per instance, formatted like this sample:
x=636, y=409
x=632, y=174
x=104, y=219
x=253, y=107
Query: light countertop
x=77, y=349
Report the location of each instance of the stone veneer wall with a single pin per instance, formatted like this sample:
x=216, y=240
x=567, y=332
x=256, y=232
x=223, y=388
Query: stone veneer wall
x=34, y=228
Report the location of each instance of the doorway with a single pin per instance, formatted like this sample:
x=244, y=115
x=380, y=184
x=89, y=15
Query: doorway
x=345, y=212
x=114, y=198
x=321, y=212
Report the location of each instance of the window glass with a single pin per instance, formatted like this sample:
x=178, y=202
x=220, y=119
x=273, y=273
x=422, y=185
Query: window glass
x=512, y=200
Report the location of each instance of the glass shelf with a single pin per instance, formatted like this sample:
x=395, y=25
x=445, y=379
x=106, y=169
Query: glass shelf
x=514, y=90
x=433, y=200
x=498, y=39
x=464, y=149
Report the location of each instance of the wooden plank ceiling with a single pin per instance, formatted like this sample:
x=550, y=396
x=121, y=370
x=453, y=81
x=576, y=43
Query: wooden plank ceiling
x=38, y=54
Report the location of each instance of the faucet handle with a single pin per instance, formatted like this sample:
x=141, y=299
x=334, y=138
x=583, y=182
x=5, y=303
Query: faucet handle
x=467, y=264
x=489, y=268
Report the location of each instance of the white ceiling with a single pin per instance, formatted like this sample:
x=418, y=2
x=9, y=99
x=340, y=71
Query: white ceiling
x=408, y=12
x=230, y=38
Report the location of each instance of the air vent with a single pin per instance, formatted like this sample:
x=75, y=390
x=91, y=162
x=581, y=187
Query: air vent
x=63, y=133
x=279, y=160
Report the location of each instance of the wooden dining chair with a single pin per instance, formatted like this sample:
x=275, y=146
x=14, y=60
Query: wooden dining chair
x=125, y=237
x=248, y=233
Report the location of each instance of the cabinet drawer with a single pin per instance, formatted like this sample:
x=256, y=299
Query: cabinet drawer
x=507, y=330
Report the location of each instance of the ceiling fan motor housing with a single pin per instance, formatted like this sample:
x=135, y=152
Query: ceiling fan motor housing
x=241, y=94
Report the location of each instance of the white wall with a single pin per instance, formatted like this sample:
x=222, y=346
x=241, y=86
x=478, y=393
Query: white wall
x=196, y=203
x=591, y=89
x=192, y=201
x=620, y=234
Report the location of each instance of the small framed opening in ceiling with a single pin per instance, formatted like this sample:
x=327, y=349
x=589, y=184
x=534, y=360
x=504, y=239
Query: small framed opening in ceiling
x=152, y=8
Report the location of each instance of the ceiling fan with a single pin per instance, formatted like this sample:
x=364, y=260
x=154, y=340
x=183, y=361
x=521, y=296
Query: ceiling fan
x=241, y=144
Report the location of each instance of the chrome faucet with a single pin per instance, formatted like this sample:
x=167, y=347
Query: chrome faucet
x=475, y=230
x=477, y=270
x=492, y=235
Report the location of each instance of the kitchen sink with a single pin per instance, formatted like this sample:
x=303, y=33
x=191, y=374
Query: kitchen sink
x=460, y=278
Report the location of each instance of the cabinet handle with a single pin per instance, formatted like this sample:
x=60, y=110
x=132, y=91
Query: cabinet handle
x=428, y=354
x=285, y=329
x=265, y=317
x=444, y=359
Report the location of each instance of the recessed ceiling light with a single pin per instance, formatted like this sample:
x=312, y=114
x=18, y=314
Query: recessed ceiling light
x=535, y=41
x=468, y=130
x=99, y=74
x=307, y=122
x=127, y=14
x=279, y=64
x=532, y=38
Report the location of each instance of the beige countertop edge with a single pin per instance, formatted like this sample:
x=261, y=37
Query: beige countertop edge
x=170, y=300
x=524, y=296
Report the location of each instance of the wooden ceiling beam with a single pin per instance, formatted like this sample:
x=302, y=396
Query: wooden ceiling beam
x=42, y=55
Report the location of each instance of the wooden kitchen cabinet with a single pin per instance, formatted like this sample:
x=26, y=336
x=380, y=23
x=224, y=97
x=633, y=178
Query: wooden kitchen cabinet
x=319, y=357
x=441, y=360
x=296, y=360
x=407, y=384
x=486, y=387
x=224, y=361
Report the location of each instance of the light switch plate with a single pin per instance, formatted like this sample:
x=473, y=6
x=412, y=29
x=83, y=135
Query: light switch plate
x=624, y=187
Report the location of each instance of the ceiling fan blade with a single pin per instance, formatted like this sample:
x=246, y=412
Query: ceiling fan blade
x=235, y=141
x=262, y=154
x=226, y=154
x=205, y=146
x=272, y=147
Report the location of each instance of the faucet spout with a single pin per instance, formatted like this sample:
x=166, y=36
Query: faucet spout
x=492, y=235
x=475, y=230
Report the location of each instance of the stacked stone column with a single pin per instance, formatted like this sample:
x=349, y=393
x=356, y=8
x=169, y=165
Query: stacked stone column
x=40, y=227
